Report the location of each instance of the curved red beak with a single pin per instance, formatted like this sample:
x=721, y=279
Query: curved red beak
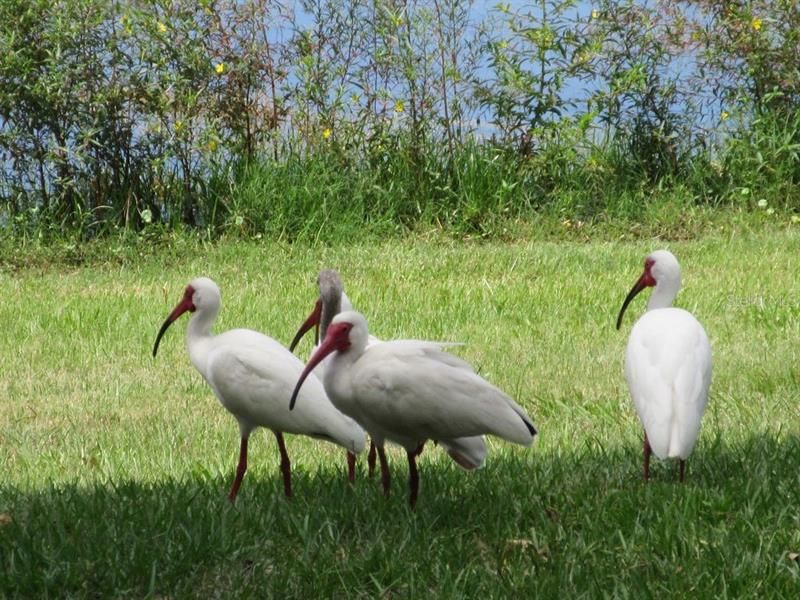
x=336, y=339
x=646, y=280
x=312, y=321
x=185, y=305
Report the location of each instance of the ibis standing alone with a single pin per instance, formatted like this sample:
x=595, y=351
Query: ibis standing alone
x=410, y=391
x=667, y=365
x=252, y=375
x=468, y=452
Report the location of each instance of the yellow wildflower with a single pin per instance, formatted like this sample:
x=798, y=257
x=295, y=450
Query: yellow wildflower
x=327, y=132
x=756, y=23
x=724, y=115
x=212, y=145
x=219, y=68
x=161, y=27
x=399, y=106
x=178, y=126
x=595, y=14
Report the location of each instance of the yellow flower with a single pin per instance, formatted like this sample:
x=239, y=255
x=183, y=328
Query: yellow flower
x=327, y=132
x=595, y=14
x=125, y=21
x=724, y=115
x=178, y=126
x=161, y=27
x=212, y=145
x=756, y=23
x=219, y=68
x=399, y=106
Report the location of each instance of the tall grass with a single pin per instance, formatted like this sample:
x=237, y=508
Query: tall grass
x=260, y=117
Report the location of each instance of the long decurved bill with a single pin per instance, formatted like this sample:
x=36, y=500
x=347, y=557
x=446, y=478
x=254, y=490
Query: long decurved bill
x=184, y=305
x=312, y=321
x=642, y=283
x=328, y=345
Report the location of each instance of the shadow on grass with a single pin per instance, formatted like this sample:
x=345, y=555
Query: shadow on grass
x=577, y=520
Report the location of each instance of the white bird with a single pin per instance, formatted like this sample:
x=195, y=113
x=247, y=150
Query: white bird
x=332, y=300
x=468, y=452
x=252, y=375
x=410, y=391
x=667, y=365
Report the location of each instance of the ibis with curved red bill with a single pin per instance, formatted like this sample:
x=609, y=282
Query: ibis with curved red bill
x=252, y=375
x=667, y=365
x=410, y=391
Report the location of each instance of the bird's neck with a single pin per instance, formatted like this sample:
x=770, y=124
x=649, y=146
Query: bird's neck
x=663, y=296
x=336, y=379
x=198, y=334
x=330, y=308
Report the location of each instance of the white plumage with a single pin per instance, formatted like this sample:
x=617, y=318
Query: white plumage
x=332, y=300
x=252, y=375
x=410, y=391
x=667, y=365
x=469, y=452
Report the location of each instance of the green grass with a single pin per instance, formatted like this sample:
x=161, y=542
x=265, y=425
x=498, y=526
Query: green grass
x=115, y=466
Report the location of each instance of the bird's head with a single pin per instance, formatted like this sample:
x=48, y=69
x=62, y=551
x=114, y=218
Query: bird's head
x=202, y=294
x=329, y=303
x=660, y=268
x=330, y=286
x=347, y=331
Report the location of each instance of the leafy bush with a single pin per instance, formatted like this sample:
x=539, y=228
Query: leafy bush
x=261, y=119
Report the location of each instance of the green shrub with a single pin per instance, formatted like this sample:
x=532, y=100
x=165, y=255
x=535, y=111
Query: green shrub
x=254, y=119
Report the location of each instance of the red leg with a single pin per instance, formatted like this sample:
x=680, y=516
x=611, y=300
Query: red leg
x=241, y=469
x=647, y=452
x=385, y=477
x=682, y=464
x=371, y=459
x=286, y=466
x=413, y=477
x=351, y=467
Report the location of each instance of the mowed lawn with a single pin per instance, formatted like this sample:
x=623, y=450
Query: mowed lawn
x=114, y=466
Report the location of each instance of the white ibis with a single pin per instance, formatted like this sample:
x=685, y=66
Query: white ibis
x=332, y=300
x=252, y=375
x=410, y=391
x=469, y=453
x=667, y=365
